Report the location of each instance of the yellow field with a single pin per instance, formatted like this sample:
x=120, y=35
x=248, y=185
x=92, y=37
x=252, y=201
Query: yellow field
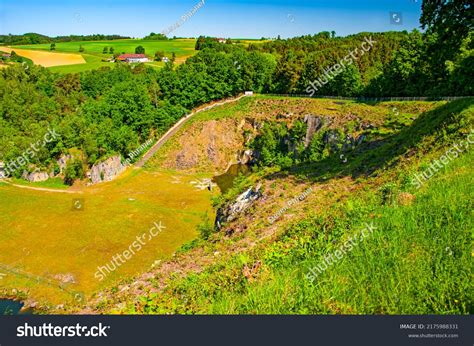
x=49, y=251
x=47, y=59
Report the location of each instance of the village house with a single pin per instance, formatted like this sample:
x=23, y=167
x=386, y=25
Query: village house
x=221, y=40
x=131, y=58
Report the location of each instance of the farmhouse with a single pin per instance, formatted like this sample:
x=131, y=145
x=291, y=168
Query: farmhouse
x=165, y=59
x=133, y=58
x=221, y=40
x=6, y=55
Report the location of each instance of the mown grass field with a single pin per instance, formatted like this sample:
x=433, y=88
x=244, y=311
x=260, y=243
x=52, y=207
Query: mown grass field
x=93, y=51
x=43, y=236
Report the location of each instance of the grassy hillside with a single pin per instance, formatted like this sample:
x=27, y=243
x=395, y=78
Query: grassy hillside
x=227, y=125
x=417, y=260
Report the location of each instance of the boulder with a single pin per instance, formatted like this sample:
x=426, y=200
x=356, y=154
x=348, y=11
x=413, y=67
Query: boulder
x=231, y=211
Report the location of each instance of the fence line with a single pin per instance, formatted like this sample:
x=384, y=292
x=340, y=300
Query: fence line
x=376, y=99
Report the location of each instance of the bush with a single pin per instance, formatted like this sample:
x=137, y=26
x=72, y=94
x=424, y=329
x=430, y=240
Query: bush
x=74, y=170
x=205, y=228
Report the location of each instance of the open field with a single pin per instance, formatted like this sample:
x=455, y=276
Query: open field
x=93, y=62
x=47, y=59
x=43, y=239
x=93, y=51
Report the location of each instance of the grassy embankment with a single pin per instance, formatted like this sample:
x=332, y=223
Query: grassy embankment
x=417, y=261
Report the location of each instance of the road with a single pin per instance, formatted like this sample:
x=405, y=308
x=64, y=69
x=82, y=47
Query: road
x=149, y=154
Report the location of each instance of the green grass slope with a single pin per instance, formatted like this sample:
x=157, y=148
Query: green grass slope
x=417, y=260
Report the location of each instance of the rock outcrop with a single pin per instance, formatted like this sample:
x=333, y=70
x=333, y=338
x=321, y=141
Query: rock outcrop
x=62, y=162
x=314, y=123
x=248, y=156
x=242, y=203
x=3, y=172
x=106, y=170
x=35, y=176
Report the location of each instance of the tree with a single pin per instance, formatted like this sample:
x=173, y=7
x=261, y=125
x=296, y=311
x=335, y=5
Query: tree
x=347, y=83
x=159, y=55
x=111, y=50
x=81, y=49
x=158, y=37
x=173, y=57
x=447, y=24
x=74, y=170
x=139, y=50
x=105, y=50
x=52, y=46
x=450, y=19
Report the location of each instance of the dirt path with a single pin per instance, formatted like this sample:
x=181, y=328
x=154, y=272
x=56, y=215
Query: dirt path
x=149, y=154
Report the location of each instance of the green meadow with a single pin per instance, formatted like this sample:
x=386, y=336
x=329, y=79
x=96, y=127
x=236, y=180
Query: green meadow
x=45, y=239
x=93, y=51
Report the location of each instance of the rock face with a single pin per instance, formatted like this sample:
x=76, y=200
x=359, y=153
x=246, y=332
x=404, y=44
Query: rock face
x=314, y=123
x=62, y=162
x=106, y=170
x=207, y=145
x=35, y=176
x=3, y=173
x=248, y=156
x=242, y=203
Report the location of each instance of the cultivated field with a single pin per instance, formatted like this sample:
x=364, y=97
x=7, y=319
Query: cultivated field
x=47, y=59
x=93, y=51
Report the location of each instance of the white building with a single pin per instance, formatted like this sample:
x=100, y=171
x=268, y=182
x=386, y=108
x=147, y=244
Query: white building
x=133, y=58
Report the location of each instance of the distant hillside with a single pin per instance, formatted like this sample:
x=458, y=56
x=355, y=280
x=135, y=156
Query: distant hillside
x=34, y=38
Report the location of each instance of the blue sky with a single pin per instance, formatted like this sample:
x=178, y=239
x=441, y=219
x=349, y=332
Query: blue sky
x=223, y=18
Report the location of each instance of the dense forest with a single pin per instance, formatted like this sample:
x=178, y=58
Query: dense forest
x=114, y=110
x=33, y=38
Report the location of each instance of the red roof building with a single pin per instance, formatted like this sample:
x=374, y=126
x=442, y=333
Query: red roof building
x=133, y=57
